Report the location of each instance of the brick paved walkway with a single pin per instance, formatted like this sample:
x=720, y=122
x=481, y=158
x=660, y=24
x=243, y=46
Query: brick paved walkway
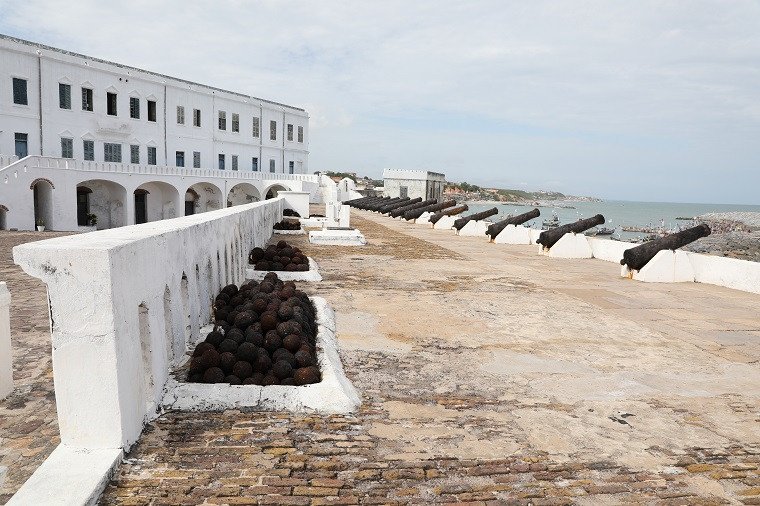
x=535, y=382
x=28, y=422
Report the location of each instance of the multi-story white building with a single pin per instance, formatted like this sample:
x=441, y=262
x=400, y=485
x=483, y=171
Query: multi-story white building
x=102, y=115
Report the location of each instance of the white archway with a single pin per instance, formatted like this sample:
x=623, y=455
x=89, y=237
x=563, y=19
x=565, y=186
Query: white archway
x=242, y=193
x=273, y=190
x=154, y=201
x=42, y=194
x=206, y=197
x=105, y=199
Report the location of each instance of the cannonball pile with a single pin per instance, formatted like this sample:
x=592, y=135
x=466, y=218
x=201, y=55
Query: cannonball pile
x=291, y=212
x=264, y=334
x=287, y=225
x=279, y=257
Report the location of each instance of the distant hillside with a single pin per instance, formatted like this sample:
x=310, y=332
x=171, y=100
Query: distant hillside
x=466, y=191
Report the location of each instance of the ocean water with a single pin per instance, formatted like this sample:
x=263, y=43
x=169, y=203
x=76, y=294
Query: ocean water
x=617, y=212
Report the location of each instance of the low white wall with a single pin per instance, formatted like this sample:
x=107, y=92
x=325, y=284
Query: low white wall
x=125, y=302
x=729, y=272
x=6, y=357
x=607, y=250
x=297, y=201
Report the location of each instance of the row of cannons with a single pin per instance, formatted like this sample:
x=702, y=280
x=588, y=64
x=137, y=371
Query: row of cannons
x=566, y=241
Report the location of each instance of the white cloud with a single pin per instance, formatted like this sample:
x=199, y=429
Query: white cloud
x=602, y=97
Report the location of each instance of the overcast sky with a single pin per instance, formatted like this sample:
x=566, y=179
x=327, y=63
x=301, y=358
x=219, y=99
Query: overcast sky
x=633, y=100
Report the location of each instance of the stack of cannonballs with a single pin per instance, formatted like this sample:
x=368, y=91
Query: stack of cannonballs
x=264, y=334
x=287, y=225
x=279, y=257
x=291, y=212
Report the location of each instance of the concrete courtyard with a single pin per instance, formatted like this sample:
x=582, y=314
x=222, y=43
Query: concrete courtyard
x=488, y=374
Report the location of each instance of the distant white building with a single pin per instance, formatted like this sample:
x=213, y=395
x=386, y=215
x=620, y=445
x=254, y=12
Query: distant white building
x=413, y=183
x=94, y=119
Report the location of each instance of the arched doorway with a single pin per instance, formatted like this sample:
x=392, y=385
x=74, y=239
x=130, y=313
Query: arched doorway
x=207, y=197
x=155, y=201
x=191, y=199
x=42, y=193
x=273, y=190
x=242, y=193
x=102, y=200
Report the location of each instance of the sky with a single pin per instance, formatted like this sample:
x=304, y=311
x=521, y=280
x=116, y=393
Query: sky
x=636, y=100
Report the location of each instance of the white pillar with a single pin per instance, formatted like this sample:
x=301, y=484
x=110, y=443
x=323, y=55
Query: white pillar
x=6, y=359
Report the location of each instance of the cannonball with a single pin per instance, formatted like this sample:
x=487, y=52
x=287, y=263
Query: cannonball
x=236, y=335
x=259, y=305
x=282, y=244
x=214, y=338
x=263, y=362
x=253, y=337
x=228, y=345
x=277, y=266
x=283, y=354
x=291, y=342
x=261, y=265
x=210, y=358
x=270, y=380
x=306, y=375
x=266, y=286
x=201, y=348
x=271, y=277
x=272, y=341
x=226, y=361
x=197, y=365
x=232, y=315
x=257, y=378
x=244, y=320
x=285, y=312
x=242, y=369
x=257, y=254
x=304, y=358
x=282, y=369
x=237, y=301
x=230, y=290
x=213, y=375
x=256, y=327
x=233, y=380
x=249, y=381
x=268, y=320
x=247, y=352
x=221, y=313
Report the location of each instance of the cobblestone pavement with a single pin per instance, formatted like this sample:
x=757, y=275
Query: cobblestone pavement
x=28, y=422
x=489, y=375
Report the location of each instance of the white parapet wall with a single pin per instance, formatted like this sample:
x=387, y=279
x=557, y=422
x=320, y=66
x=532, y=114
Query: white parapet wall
x=608, y=250
x=667, y=266
x=474, y=228
x=514, y=234
x=445, y=223
x=124, y=304
x=424, y=218
x=6, y=357
x=298, y=201
x=337, y=237
x=569, y=245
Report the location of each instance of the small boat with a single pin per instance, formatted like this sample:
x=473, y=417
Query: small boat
x=605, y=231
x=550, y=223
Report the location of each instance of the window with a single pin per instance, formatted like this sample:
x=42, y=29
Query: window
x=235, y=122
x=222, y=120
x=111, y=152
x=86, y=99
x=291, y=167
x=196, y=117
x=152, y=110
x=272, y=130
x=151, y=155
x=180, y=115
x=180, y=157
x=221, y=162
x=234, y=162
x=22, y=144
x=196, y=159
x=271, y=165
x=67, y=148
x=290, y=132
x=19, y=91
x=255, y=127
x=64, y=96
x=89, y=150
x=403, y=191
x=134, y=107
x=111, y=104
x=254, y=164
x=134, y=153
x=300, y=134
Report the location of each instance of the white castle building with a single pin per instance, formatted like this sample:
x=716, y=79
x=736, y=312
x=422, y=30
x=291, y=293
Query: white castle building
x=84, y=140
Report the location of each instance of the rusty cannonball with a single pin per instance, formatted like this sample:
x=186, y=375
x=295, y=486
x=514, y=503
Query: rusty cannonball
x=247, y=352
x=236, y=335
x=285, y=312
x=226, y=361
x=291, y=342
x=282, y=369
x=244, y=320
x=283, y=354
x=214, y=338
x=263, y=362
x=213, y=375
x=272, y=341
x=257, y=254
x=277, y=266
x=282, y=244
x=268, y=320
x=303, y=358
x=254, y=337
x=221, y=313
x=201, y=348
x=242, y=369
x=249, y=381
x=236, y=301
x=306, y=375
x=228, y=345
x=266, y=286
x=270, y=380
x=197, y=365
x=259, y=305
x=261, y=265
x=230, y=290
x=233, y=380
x=210, y=358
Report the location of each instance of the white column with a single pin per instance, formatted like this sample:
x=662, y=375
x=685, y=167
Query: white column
x=6, y=359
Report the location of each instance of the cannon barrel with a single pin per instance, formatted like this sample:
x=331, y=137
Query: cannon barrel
x=496, y=228
x=452, y=211
x=636, y=258
x=370, y=202
x=549, y=237
x=388, y=208
x=389, y=202
x=464, y=220
x=351, y=202
x=399, y=211
x=362, y=202
x=416, y=213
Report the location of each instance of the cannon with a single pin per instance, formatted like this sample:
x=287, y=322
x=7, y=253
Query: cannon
x=379, y=205
x=549, y=237
x=636, y=258
x=464, y=220
x=452, y=211
x=416, y=213
x=356, y=201
x=388, y=208
x=365, y=204
x=495, y=229
x=399, y=211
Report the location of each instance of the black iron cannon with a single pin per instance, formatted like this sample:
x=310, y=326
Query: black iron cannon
x=416, y=213
x=390, y=207
x=399, y=211
x=549, y=237
x=389, y=202
x=359, y=203
x=452, y=211
x=495, y=229
x=636, y=258
x=370, y=202
x=464, y=220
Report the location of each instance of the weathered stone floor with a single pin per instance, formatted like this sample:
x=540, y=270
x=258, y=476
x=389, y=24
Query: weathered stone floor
x=28, y=422
x=489, y=375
